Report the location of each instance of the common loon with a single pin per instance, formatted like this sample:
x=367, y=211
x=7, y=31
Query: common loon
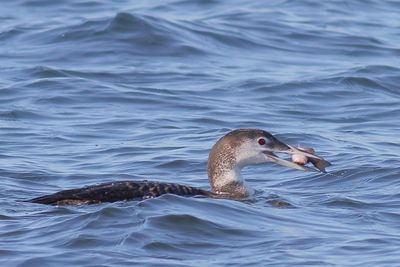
x=235, y=150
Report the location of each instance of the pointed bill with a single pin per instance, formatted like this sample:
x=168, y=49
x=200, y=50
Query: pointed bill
x=281, y=147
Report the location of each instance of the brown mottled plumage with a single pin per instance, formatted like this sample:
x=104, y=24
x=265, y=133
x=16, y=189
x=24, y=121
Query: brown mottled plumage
x=117, y=191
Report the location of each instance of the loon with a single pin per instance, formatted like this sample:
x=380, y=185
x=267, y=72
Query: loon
x=229, y=155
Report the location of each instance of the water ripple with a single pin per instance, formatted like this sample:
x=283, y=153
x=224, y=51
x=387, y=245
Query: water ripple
x=92, y=92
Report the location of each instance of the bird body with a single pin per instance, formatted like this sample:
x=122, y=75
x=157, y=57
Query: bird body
x=229, y=155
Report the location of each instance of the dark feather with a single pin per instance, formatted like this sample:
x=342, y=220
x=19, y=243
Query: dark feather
x=117, y=191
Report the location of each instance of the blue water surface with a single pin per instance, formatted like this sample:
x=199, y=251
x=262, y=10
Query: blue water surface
x=95, y=91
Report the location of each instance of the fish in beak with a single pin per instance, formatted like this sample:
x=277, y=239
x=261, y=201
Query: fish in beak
x=277, y=146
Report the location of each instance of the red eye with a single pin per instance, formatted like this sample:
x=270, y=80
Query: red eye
x=261, y=141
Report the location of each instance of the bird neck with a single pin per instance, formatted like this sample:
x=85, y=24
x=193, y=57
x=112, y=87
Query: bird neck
x=228, y=180
x=225, y=168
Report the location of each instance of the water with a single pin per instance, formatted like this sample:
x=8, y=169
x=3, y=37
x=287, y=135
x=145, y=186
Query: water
x=95, y=91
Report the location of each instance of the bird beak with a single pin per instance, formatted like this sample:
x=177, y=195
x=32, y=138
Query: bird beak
x=280, y=147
